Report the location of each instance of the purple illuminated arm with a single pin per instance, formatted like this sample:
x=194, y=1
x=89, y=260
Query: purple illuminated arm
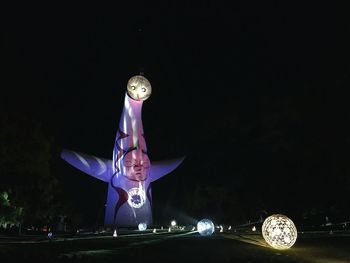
x=161, y=168
x=94, y=166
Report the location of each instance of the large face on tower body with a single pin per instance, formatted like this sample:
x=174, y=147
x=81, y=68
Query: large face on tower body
x=139, y=88
x=136, y=165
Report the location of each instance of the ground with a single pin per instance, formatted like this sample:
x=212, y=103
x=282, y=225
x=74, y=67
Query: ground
x=177, y=246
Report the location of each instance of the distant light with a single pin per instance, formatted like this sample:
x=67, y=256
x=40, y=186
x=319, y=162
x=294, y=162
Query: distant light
x=205, y=227
x=142, y=226
x=254, y=228
x=229, y=228
x=154, y=230
x=221, y=229
x=49, y=235
x=173, y=223
x=193, y=228
x=115, y=233
x=169, y=230
x=279, y=231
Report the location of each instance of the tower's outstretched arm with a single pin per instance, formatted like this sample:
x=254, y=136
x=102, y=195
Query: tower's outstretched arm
x=92, y=165
x=161, y=168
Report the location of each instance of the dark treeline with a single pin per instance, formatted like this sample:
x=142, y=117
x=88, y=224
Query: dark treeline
x=288, y=155
x=32, y=193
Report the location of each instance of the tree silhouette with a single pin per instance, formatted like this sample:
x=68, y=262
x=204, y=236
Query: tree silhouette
x=9, y=215
x=25, y=156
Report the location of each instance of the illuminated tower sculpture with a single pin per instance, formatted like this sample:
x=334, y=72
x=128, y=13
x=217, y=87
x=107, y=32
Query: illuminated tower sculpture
x=130, y=173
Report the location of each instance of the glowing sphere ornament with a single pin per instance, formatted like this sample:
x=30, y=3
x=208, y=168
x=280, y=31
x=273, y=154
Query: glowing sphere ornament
x=279, y=231
x=142, y=226
x=205, y=227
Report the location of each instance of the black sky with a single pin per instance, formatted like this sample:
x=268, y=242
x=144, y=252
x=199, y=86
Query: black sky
x=246, y=91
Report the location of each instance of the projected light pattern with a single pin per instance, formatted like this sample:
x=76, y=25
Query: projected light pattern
x=279, y=231
x=137, y=197
x=130, y=172
x=142, y=226
x=205, y=227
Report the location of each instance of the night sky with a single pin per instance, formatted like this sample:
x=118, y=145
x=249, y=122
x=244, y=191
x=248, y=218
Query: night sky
x=253, y=94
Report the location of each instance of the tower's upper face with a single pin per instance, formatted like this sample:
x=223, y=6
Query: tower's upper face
x=139, y=88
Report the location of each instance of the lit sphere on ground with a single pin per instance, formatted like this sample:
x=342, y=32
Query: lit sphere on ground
x=205, y=227
x=142, y=226
x=279, y=231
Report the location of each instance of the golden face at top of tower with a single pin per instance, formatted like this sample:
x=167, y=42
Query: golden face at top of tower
x=139, y=88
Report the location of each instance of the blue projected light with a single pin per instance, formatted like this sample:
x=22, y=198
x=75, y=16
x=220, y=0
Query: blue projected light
x=142, y=226
x=205, y=227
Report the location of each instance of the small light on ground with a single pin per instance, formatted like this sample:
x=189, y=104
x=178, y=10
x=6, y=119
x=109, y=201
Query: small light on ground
x=205, y=227
x=142, y=226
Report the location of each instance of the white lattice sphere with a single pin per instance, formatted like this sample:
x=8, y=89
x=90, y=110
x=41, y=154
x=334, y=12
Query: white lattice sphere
x=142, y=226
x=279, y=231
x=205, y=227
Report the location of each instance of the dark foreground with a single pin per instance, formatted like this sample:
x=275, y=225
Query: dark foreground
x=175, y=247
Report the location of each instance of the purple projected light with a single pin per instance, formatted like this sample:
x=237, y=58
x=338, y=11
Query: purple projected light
x=130, y=172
